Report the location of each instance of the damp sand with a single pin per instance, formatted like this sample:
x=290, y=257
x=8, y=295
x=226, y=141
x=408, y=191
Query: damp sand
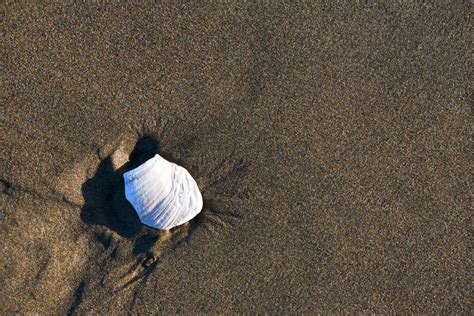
x=330, y=143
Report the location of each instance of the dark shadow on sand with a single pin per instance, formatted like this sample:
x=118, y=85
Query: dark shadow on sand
x=77, y=298
x=104, y=195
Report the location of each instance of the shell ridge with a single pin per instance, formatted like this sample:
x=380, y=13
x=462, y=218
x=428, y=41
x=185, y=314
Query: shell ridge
x=162, y=216
x=162, y=194
x=169, y=219
x=180, y=195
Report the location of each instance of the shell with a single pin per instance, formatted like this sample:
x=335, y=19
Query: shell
x=163, y=194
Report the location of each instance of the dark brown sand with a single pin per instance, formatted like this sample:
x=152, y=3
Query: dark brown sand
x=331, y=143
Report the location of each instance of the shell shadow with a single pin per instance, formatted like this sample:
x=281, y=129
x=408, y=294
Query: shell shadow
x=105, y=203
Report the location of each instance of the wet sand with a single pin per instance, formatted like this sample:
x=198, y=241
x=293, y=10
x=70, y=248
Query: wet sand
x=330, y=142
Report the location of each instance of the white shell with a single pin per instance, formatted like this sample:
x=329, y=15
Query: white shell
x=163, y=194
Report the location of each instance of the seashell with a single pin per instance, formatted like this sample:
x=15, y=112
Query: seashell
x=163, y=194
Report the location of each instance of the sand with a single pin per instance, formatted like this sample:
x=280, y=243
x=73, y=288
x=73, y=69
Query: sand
x=330, y=141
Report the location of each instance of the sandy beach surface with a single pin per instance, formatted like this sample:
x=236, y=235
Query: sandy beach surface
x=330, y=142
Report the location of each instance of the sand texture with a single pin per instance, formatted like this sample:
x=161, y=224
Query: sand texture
x=331, y=142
